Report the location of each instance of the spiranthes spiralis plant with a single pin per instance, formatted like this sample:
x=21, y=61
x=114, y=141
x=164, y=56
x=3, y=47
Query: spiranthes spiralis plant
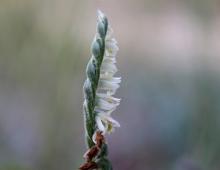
x=99, y=88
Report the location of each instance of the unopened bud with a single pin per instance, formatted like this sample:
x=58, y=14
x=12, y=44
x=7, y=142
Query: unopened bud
x=96, y=48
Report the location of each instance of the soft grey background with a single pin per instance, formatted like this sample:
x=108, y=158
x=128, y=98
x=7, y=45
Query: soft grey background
x=169, y=60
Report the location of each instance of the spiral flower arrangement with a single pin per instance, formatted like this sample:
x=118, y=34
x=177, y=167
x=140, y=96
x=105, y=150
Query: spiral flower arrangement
x=99, y=88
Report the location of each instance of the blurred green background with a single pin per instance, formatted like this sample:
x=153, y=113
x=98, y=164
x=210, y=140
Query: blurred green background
x=169, y=60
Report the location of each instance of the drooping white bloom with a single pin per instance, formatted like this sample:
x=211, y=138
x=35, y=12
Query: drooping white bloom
x=106, y=123
x=108, y=84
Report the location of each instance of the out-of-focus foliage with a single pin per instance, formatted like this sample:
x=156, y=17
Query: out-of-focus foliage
x=169, y=63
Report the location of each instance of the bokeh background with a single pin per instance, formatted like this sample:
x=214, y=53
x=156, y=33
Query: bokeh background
x=169, y=60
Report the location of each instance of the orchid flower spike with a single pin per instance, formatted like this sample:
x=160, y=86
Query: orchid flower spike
x=100, y=86
x=108, y=84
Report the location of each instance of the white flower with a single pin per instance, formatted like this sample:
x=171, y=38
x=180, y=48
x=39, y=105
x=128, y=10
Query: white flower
x=108, y=84
x=106, y=123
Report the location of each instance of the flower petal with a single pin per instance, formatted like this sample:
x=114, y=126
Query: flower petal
x=109, y=33
x=109, y=67
x=110, y=123
x=111, y=52
x=108, y=98
x=108, y=85
x=105, y=105
x=107, y=77
x=112, y=45
x=109, y=60
x=113, y=122
x=100, y=124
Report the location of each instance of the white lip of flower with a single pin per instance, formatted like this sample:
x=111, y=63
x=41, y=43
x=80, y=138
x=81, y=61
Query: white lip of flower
x=106, y=123
x=108, y=84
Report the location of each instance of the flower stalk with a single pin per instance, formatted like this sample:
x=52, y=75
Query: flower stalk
x=99, y=103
